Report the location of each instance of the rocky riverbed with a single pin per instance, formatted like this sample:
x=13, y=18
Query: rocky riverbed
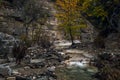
x=38, y=64
x=44, y=64
x=78, y=66
x=60, y=62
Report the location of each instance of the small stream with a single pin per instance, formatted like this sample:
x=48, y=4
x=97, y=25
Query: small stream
x=76, y=73
x=77, y=67
x=77, y=70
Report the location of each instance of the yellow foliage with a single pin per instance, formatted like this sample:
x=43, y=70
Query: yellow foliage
x=68, y=12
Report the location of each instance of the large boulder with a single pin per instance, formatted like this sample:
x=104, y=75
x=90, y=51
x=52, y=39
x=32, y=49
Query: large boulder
x=6, y=43
x=5, y=70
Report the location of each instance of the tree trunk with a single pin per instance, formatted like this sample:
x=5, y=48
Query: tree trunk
x=100, y=42
x=71, y=36
x=26, y=30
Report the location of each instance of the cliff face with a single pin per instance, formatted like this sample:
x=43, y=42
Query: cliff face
x=26, y=19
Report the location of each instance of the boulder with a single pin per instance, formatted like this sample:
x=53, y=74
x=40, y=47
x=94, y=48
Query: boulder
x=52, y=68
x=6, y=44
x=5, y=70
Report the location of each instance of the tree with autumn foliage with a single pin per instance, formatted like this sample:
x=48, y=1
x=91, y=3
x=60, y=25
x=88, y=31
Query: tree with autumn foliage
x=69, y=16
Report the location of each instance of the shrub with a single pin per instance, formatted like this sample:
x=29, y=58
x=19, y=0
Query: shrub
x=108, y=66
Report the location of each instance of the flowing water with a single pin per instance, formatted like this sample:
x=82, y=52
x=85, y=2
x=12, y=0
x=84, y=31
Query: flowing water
x=77, y=67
